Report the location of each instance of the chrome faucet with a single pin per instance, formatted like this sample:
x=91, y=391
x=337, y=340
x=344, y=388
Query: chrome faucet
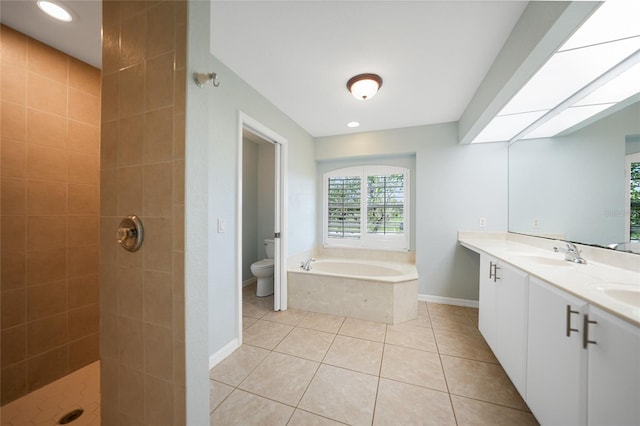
x=306, y=265
x=571, y=253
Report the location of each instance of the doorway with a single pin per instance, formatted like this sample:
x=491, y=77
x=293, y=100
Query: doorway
x=274, y=147
x=632, y=193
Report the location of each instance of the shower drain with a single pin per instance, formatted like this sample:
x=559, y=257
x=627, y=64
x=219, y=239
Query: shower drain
x=70, y=416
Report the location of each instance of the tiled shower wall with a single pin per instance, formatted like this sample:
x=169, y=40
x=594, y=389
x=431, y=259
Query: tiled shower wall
x=49, y=206
x=142, y=173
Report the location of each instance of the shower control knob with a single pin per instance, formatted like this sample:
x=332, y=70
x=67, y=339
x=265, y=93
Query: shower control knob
x=130, y=233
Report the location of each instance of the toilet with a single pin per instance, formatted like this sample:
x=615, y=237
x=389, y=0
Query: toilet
x=263, y=271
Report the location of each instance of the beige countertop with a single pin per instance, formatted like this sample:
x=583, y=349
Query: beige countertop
x=584, y=281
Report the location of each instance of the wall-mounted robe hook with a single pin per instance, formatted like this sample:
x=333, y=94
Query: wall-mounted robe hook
x=202, y=78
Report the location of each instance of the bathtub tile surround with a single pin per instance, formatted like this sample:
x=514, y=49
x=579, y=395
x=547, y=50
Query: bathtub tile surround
x=366, y=375
x=143, y=163
x=50, y=147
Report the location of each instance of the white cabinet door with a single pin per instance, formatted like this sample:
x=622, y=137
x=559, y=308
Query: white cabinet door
x=511, y=308
x=487, y=315
x=556, y=363
x=614, y=370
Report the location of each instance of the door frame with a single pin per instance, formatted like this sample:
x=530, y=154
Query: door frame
x=629, y=158
x=280, y=215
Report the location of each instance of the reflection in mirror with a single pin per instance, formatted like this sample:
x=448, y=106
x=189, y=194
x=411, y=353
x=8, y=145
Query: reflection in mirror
x=576, y=187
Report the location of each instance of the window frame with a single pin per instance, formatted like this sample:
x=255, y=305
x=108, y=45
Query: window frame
x=393, y=242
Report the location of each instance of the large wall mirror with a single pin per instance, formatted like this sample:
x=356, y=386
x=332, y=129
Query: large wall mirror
x=581, y=187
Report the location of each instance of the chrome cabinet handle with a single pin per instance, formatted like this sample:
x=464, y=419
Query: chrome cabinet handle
x=585, y=334
x=493, y=271
x=130, y=234
x=569, y=312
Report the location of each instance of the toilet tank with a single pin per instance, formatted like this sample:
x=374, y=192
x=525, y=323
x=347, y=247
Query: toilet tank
x=269, y=247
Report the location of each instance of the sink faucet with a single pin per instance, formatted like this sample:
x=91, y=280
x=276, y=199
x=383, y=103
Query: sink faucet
x=572, y=254
x=306, y=265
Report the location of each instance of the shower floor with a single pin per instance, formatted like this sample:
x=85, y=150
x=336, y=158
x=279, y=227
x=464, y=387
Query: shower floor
x=45, y=406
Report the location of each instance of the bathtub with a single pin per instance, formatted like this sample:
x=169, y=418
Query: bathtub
x=369, y=290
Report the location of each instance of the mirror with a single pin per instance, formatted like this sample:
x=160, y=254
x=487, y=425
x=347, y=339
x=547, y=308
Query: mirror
x=574, y=187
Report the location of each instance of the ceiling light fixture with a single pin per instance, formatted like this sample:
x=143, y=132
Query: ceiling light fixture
x=55, y=10
x=364, y=86
x=353, y=124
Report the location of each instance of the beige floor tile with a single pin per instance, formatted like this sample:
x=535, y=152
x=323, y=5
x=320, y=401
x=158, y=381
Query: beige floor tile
x=362, y=329
x=440, y=308
x=265, y=334
x=402, y=404
x=360, y=355
x=481, y=380
x=290, y=316
x=303, y=418
x=280, y=377
x=453, y=322
x=421, y=321
x=306, y=343
x=256, y=309
x=413, y=366
x=247, y=321
x=237, y=366
x=476, y=413
x=217, y=393
x=464, y=345
x=411, y=337
x=342, y=395
x=473, y=313
x=242, y=408
x=322, y=322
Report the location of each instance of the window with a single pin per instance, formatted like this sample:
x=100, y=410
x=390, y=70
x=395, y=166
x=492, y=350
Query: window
x=367, y=207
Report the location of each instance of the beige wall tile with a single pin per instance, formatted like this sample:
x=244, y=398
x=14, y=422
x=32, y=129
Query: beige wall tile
x=158, y=401
x=157, y=250
x=132, y=40
x=159, y=71
x=14, y=121
x=110, y=42
x=83, y=138
x=130, y=292
x=13, y=83
x=47, y=367
x=83, y=230
x=82, y=261
x=83, y=168
x=46, y=95
x=46, y=300
x=158, y=351
x=12, y=231
x=160, y=29
x=45, y=266
x=131, y=343
x=109, y=145
x=180, y=77
x=108, y=290
x=13, y=308
x=109, y=193
x=14, y=345
x=13, y=270
x=13, y=196
x=130, y=191
x=84, y=77
x=131, y=393
x=14, y=380
x=14, y=157
x=83, y=199
x=131, y=91
x=110, y=84
x=14, y=47
x=46, y=163
x=108, y=336
x=178, y=136
x=84, y=351
x=46, y=198
x=178, y=182
x=84, y=321
x=178, y=227
x=130, y=140
x=83, y=291
x=84, y=107
x=46, y=129
x=46, y=232
x=108, y=244
x=47, y=61
x=156, y=196
x=158, y=135
x=46, y=334
x=157, y=300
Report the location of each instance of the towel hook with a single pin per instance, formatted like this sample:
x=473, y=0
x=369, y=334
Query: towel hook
x=202, y=78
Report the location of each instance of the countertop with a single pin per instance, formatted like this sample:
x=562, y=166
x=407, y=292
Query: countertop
x=585, y=281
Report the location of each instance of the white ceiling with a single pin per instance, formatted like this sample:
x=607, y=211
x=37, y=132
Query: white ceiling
x=432, y=55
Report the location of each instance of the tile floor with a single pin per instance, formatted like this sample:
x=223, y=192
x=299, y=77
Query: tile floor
x=304, y=368
x=45, y=406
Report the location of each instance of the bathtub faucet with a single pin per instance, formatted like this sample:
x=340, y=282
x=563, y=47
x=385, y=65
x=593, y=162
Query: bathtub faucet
x=306, y=265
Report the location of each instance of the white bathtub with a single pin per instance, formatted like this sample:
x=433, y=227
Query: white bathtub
x=370, y=290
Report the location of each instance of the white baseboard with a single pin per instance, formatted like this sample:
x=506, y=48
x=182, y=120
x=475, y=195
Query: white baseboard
x=226, y=350
x=249, y=281
x=448, y=300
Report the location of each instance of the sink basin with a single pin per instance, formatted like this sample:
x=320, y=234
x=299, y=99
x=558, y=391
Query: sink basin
x=543, y=260
x=626, y=293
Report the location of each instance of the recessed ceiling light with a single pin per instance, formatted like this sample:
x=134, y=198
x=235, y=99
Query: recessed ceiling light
x=353, y=124
x=55, y=10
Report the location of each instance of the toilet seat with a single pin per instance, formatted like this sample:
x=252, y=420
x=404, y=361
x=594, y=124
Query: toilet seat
x=263, y=264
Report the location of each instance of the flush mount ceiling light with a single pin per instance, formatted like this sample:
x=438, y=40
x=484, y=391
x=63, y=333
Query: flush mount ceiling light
x=55, y=10
x=353, y=124
x=364, y=86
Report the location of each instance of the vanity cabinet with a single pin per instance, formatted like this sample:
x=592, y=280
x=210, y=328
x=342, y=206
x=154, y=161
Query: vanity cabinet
x=503, y=315
x=614, y=370
x=556, y=361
